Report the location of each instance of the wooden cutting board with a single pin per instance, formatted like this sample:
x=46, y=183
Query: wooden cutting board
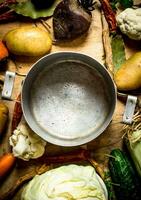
x=90, y=44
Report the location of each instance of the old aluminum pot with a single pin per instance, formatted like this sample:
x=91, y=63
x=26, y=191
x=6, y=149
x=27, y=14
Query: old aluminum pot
x=68, y=98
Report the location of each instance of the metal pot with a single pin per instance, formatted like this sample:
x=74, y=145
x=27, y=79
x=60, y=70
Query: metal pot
x=68, y=98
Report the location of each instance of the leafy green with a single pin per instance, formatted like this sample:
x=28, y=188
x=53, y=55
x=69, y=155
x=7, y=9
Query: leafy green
x=29, y=10
x=66, y=182
x=114, y=3
x=126, y=3
x=118, y=51
x=123, y=3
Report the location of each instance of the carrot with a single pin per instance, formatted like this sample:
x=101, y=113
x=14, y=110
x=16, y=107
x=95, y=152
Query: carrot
x=3, y=51
x=6, y=163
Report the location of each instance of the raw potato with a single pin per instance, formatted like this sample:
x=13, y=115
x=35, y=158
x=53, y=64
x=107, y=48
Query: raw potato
x=3, y=116
x=28, y=41
x=128, y=77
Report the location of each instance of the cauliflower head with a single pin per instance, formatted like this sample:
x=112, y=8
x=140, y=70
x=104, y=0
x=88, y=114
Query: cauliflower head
x=129, y=22
x=26, y=144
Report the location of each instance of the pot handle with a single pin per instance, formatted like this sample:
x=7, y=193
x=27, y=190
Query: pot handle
x=129, y=109
x=8, y=85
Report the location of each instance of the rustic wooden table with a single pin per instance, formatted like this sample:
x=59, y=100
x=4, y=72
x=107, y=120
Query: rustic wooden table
x=92, y=45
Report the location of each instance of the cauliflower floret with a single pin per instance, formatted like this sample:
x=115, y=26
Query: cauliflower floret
x=26, y=144
x=129, y=22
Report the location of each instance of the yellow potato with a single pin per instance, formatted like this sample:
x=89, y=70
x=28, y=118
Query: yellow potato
x=3, y=116
x=128, y=77
x=28, y=41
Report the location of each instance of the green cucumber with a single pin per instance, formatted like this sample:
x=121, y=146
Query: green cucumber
x=125, y=180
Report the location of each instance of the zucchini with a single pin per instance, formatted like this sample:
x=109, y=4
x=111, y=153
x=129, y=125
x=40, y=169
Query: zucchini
x=124, y=178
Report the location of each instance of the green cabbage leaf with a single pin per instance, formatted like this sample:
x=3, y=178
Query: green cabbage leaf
x=28, y=9
x=70, y=182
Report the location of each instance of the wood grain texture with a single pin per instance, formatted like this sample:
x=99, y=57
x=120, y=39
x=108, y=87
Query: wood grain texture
x=90, y=44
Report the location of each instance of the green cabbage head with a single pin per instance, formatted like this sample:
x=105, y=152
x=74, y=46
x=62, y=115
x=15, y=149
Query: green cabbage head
x=71, y=182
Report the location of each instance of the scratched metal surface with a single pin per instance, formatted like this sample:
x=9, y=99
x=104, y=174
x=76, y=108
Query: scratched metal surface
x=68, y=98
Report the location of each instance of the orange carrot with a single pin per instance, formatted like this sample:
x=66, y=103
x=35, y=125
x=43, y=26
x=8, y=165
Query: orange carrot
x=3, y=51
x=6, y=163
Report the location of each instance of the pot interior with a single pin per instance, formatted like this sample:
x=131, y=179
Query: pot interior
x=68, y=100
